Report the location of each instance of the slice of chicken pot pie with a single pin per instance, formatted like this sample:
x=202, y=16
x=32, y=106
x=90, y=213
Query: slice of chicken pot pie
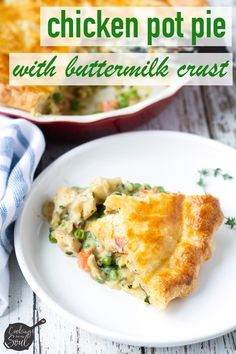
x=133, y=237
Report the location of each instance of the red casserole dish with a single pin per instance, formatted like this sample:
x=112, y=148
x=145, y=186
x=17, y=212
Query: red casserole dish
x=87, y=127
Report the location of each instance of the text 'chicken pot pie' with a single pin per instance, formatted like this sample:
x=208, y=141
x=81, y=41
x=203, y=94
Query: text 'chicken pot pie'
x=143, y=240
x=20, y=33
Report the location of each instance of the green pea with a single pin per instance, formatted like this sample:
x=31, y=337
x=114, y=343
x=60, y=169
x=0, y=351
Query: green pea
x=57, y=97
x=137, y=187
x=75, y=105
x=113, y=275
x=79, y=235
x=123, y=102
x=106, y=270
x=52, y=238
x=107, y=260
x=133, y=94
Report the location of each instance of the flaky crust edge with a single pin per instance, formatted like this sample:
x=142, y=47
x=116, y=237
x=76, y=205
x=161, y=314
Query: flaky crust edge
x=27, y=98
x=202, y=216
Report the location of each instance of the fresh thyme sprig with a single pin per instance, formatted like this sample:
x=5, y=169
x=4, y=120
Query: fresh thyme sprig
x=231, y=222
x=211, y=172
x=216, y=172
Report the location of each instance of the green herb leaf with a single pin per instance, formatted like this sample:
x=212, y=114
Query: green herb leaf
x=204, y=172
x=201, y=183
x=214, y=172
x=217, y=172
x=231, y=222
x=69, y=253
x=61, y=206
x=147, y=299
x=131, y=188
x=226, y=176
x=51, y=238
x=160, y=189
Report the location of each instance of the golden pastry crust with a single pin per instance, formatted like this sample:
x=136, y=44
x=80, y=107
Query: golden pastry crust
x=28, y=98
x=166, y=238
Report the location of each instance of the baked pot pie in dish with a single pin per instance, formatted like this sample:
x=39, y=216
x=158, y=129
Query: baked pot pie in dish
x=19, y=32
x=135, y=237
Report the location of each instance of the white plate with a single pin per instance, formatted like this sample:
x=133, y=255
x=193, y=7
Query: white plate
x=160, y=158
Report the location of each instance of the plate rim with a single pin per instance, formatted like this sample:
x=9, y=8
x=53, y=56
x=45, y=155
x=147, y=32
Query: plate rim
x=84, y=324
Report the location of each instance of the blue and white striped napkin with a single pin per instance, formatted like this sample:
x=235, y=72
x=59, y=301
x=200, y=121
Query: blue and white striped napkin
x=21, y=147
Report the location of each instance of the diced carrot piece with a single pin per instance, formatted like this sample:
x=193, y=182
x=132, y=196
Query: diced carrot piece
x=109, y=105
x=143, y=191
x=148, y=191
x=83, y=260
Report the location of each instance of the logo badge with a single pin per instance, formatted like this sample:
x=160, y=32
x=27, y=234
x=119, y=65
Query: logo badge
x=19, y=336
